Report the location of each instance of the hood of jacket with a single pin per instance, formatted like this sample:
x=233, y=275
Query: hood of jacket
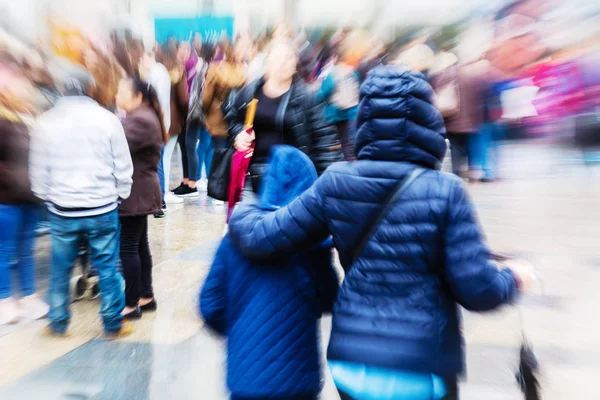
x=229, y=75
x=397, y=120
x=290, y=173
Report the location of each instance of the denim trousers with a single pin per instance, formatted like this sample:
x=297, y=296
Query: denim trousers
x=17, y=238
x=490, y=136
x=164, y=165
x=198, y=146
x=205, y=152
x=465, y=149
x=102, y=232
x=451, y=385
x=136, y=259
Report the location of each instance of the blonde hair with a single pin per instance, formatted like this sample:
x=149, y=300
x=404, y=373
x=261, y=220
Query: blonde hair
x=419, y=58
x=281, y=43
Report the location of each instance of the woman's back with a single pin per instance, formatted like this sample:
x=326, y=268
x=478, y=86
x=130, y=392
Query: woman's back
x=399, y=280
x=144, y=137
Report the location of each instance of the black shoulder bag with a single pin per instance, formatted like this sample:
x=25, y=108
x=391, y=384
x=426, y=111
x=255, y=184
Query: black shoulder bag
x=391, y=201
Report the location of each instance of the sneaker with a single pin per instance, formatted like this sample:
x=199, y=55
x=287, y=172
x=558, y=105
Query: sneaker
x=186, y=191
x=178, y=187
x=160, y=214
x=170, y=198
x=202, y=185
x=9, y=312
x=218, y=202
x=32, y=307
x=126, y=330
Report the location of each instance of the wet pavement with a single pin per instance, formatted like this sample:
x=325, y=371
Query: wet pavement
x=545, y=209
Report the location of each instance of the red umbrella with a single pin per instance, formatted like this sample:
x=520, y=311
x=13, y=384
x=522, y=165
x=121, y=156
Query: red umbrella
x=239, y=169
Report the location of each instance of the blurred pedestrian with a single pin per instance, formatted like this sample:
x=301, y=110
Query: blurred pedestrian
x=157, y=75
x=408, y=239
x=465, y=123
x=340, y=90
x=122, y=53
x=188, y=141
x=197, y=43
x=198, y=140
x=145, y=132
x=107, y=73
x=179, y=108
x=222, y=78
x=81, y=169
x=286, y=114
x=270, y=313
x=256, y=64
x=20, y=212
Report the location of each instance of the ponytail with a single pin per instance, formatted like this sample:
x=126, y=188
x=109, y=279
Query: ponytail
x=150, y=97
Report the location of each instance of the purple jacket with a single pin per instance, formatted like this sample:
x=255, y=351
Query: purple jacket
x=190, y=69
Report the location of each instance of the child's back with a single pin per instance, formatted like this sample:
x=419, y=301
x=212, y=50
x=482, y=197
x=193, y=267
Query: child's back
x=270, y=312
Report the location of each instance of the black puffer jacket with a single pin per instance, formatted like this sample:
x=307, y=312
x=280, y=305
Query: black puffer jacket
x=312, y=134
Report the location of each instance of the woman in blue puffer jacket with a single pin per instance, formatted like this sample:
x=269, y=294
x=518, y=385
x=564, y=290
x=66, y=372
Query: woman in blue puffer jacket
x=396, y=330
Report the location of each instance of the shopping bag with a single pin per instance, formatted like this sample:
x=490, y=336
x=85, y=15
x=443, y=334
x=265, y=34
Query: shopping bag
x=527, y=374
x=220, y=173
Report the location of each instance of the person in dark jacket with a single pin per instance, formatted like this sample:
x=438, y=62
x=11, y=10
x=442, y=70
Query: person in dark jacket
x=396, y=319
x=270, y=312
x=20, y=212
x=145, y=133
x=179, y=112
x=286, y=114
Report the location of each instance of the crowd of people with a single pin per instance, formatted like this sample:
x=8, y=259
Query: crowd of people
x=344, y=150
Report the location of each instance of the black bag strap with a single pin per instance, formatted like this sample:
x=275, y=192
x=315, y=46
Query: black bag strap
x=280, y=116
x=393, y=198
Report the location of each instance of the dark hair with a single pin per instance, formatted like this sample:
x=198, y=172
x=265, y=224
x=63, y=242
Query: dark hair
x=226, y=49
x=150, y=97
x=207, y=52
x=169, y=53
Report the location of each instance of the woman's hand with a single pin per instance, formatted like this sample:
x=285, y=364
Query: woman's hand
x=244, y=140
x=524, y=273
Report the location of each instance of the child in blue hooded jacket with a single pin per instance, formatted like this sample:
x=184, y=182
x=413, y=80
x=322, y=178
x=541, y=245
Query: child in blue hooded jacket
x=270, y=312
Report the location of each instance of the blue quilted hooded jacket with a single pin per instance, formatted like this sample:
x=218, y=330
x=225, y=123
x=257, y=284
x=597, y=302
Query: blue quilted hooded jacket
x=269, y=311
x=398, y=305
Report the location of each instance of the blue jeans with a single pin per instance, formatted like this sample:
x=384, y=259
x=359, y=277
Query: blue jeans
x=205, y=153
x=18, y=223
x=164, y=165
x=161, y=172
x=102, y=232
x=490, y=135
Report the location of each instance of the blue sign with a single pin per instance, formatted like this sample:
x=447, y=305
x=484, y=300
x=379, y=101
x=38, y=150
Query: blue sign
x=210, y=27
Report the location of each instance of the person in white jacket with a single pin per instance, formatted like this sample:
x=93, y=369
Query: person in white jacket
x=80, y=165
x=157, y=75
